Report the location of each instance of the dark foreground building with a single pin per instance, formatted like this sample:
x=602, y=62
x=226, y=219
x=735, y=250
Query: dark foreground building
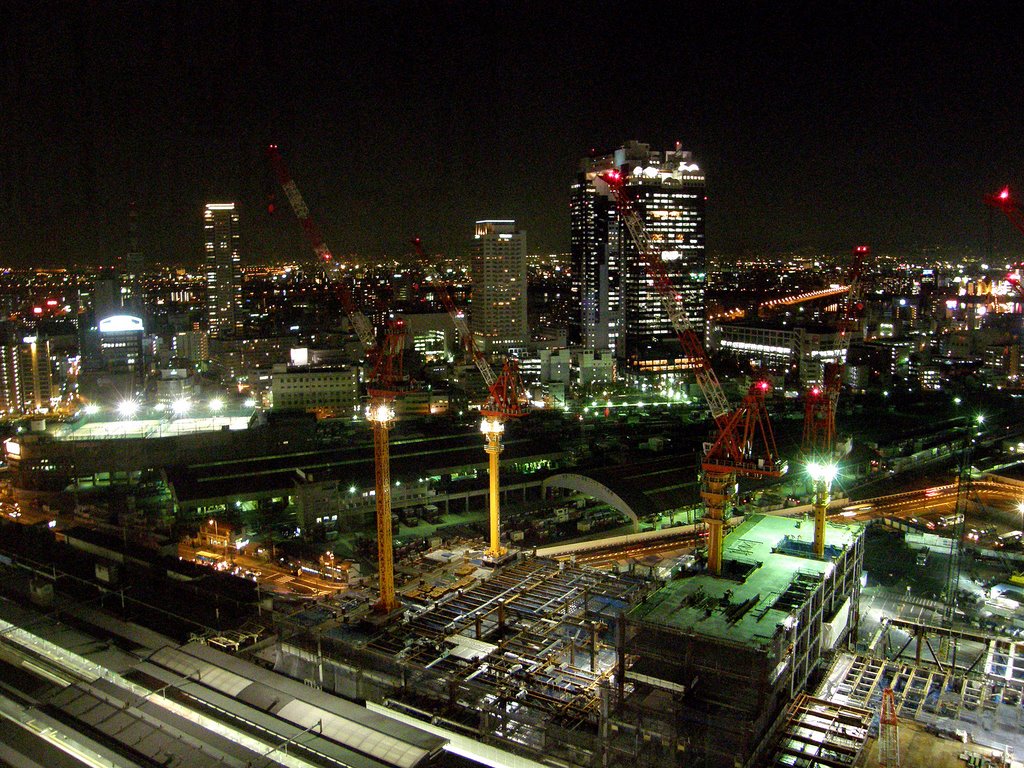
x=712, y=662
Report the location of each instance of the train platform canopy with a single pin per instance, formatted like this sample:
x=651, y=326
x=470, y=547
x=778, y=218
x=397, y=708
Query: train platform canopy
x=279, y=474
x=368, y=739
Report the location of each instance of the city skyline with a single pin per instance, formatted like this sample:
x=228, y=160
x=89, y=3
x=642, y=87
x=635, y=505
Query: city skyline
x=815, y=129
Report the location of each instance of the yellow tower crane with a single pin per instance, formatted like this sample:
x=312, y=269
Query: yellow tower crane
x=386, y=381
x=504, y=401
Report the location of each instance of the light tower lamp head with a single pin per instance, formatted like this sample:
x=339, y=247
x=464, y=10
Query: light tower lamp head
x=127, y=408
x=491, y=425
x=381, y=413
x=822, y=471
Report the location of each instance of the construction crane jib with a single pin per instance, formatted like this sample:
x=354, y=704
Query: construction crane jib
x=671, y=300
x=744, y=443
x=457, y=316
x=360, y=323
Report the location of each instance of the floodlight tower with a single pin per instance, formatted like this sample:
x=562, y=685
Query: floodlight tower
x=502, y=404
x=822, y=474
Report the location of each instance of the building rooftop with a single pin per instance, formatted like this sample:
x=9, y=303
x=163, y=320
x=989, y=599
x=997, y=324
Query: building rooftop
x=770, y=573
x=99, y=429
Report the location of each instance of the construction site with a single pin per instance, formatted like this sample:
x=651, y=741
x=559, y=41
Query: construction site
x=505, y=657
x=569, y=665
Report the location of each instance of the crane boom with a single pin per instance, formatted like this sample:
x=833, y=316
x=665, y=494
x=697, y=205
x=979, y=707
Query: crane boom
x=458, y=318
x=1006, y=203
x=360, y=323
x=744, y=443
x=707, y=380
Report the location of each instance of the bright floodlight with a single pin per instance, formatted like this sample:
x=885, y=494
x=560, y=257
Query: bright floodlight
x=216, y=404
x=491, y=426
x=822, y=471
x=1020, y=507
x=980, y=418
x=181, y=406
x=127, y=408
x=249, y=403
x=91, y=409
x=382, y=413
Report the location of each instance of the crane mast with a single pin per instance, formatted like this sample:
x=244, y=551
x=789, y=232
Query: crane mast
x=360, y=323
x=386, y=382
x=504, y=402
x=743, y=443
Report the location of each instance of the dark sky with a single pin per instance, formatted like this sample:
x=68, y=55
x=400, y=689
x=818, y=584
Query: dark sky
x=881, y=123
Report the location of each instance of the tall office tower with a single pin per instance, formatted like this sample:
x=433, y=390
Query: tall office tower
x=619, y=307
x=498, y=270
x=223, y=270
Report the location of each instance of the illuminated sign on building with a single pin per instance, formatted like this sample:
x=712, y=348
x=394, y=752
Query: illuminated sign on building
x=120, y=324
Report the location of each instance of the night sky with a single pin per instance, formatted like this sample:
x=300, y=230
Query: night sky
x=879, y=123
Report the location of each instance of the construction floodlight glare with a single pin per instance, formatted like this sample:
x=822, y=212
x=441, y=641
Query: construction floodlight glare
x=216, y=404
x=819, y=471
x=181, y=406
x=489, y=425
x=127, y=408
x=382, y=413
x=91, y=409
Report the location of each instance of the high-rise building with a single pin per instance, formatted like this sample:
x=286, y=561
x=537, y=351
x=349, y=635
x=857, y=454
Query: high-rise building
x=27, y=380
x=223, y=270
x=619, y=306
x=498, y=270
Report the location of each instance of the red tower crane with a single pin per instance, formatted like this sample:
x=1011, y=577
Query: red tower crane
x=743, y=443
x=386, y=382
x=820, y=402
x=1007, y=203
x=504, y=401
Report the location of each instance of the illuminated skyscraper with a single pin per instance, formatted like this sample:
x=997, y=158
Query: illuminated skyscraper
x=498, y=270
x=619, y=307
x=223, y=270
